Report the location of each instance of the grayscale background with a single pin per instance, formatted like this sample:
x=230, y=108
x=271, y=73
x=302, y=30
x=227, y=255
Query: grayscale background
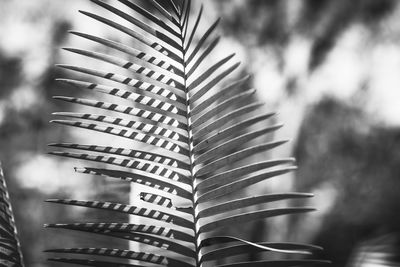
x=330, y=68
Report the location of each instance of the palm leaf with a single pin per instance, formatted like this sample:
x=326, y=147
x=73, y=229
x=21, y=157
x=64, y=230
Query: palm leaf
x=10, y=250
x=194, y=141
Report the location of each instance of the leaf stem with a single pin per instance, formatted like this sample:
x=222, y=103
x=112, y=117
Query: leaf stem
x=196, y=227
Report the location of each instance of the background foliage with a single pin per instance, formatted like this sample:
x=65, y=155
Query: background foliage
x=329, y=67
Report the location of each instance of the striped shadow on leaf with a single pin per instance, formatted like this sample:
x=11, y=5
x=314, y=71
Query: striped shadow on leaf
x=10, y=249
x=195, y=138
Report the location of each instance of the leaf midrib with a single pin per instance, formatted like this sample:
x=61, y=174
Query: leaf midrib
x=184, y=50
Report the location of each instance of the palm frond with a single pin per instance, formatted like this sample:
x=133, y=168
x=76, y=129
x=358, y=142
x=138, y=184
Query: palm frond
x=10, y=249
x=193, y=140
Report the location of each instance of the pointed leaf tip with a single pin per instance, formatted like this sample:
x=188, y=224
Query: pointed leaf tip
x=52, y=144
x=237, y=64
x=52, y=200
x=69, y=49
x=59, y=113
x=54, y=225
x=62, y=98
x=231, y=56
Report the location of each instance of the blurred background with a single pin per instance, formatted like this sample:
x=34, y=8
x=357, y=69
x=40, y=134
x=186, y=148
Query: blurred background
x=329, y=67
